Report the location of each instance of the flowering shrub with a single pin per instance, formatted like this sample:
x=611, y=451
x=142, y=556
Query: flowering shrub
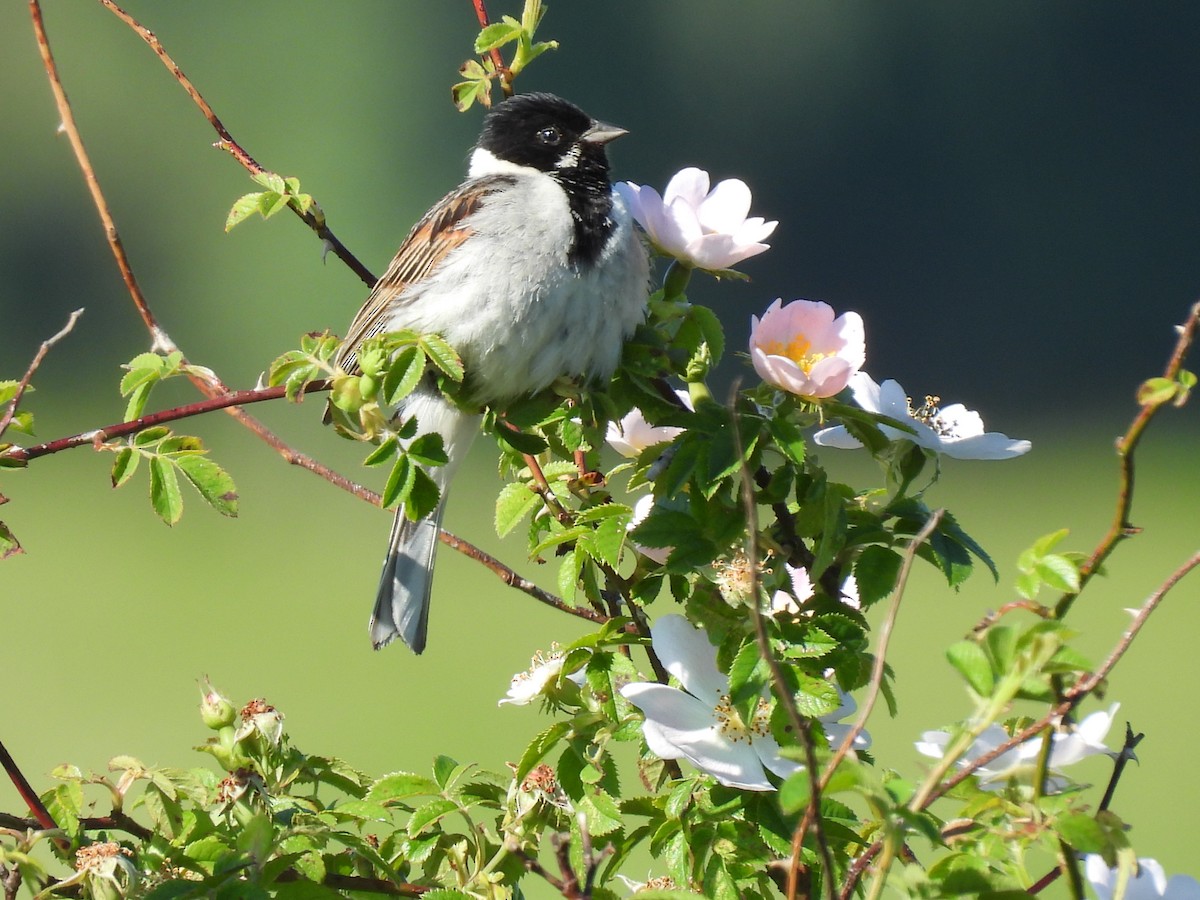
x=740, y=602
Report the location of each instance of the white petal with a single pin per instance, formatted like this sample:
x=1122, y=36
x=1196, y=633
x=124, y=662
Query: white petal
x=768, y=752
x=680, y=726
x=726, y=206
x=1099, y=874
x=686, y=653
x=837, y=437
x=690, y=185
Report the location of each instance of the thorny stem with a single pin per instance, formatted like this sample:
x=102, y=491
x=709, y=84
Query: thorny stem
x=227, y=143
x=217, y=392
x=1121, y=527
x=162, y=342
x=876, y=682
x=1072, y=698
x=497, y=60
x=782, y=692
x=28, y=794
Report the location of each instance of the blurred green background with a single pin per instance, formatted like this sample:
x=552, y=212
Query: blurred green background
x=1006, y=192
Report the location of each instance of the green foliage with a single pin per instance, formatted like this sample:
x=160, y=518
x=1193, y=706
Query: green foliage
x=741, y=529
x=169, y=456
x=280, y=193
x=478, y=75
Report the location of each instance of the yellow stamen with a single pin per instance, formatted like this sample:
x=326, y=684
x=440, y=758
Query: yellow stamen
x=798, y=350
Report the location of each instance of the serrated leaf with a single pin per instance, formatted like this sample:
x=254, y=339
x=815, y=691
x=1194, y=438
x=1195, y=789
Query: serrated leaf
x=442, y=355
x=429, y=449
x=972, y=663
x=497, y=35
x=515, y=501
x=429, y=814
x=401, y=786
x=601, y=812
x=400, y=481
x=124, y=466
x=521, y=441
x=212, y=482
x=383, y=452
x=1059, y=572
x=875, y=572
x=243, y=207
x=165, y=496
x=403, y=375
x=542, y=744
x=423, y=497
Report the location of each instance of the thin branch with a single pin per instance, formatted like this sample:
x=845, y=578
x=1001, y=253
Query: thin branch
x=1121, y=527
x=497, y=60
x=1072, y=698
x=782, y=692
x=877, y=670
x=162, y=340
x=1090, y=683
x=227, y=143
x=98, y=436
x=28, y=794
x=7, y=418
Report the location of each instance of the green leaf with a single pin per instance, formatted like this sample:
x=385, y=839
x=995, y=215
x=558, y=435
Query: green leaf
x=876, y=571
x=383, y=452
x=497, y=35
x=165, y=496
x=542, y=744
x=442, y=355
x=243, y=207
x=401, y=786
x=212, y=482
x=400, y=481
x=403, y=375
x=972, y=663
x=124, y=466
x=423, y=497
x=430, y=813
x=1083, y=833
x=601, y=812
x=521, y=441
x=9, y=545
x=429, y=450
x=1059, y=572
x=514, y=503
x=1157, y=391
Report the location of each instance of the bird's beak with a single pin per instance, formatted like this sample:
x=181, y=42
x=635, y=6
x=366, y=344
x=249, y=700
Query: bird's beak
x=600, y=133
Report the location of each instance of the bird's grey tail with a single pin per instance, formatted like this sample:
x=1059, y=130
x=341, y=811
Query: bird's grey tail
x=402, y=603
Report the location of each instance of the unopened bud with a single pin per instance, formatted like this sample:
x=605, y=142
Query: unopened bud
x=215, y=709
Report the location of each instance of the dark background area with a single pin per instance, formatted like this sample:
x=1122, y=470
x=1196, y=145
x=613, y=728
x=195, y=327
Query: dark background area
x=1006, y=192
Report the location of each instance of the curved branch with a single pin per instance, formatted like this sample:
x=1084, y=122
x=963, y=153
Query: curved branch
x=227, y=143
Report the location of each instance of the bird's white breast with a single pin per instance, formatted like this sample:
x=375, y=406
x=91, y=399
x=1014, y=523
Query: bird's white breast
x=510, y=303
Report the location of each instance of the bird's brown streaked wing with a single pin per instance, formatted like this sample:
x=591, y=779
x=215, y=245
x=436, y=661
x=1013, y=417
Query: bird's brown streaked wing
x=440, y=230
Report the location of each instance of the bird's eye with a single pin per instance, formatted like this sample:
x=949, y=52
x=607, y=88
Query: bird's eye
x=550, y=136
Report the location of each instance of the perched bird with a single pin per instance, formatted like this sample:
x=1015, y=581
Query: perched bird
x=531, y=269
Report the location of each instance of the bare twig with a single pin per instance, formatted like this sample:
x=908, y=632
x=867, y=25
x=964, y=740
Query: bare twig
x=779, y=682
x=1071, y=699
x=877, y=670
x=161, y=339
x=7, y=418
x=1121, y=527
x=28, y=794
x=227, y=143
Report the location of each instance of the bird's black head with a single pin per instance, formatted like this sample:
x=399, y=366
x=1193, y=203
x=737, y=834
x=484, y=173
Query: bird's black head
x=546, y=133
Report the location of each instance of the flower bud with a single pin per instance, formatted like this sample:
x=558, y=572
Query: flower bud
x=215, y=709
